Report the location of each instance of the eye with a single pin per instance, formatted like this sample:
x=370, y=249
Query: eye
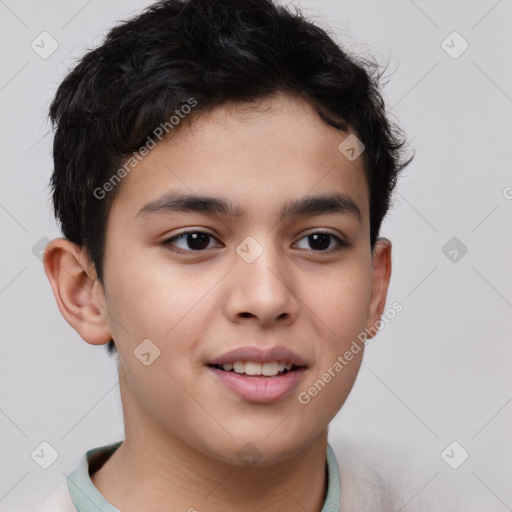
x=320, y=241
x=194, y=241
x=198, y=241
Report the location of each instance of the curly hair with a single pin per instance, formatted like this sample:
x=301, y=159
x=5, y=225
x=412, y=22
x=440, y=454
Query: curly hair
x=216, y=51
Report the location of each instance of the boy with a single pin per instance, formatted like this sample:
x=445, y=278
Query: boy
x=245, y=127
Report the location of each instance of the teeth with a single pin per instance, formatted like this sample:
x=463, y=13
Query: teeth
x=239, y=367
x=251, y=368
x=270, y=369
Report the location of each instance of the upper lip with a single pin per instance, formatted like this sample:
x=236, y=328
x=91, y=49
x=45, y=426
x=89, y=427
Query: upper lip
x=258, y=355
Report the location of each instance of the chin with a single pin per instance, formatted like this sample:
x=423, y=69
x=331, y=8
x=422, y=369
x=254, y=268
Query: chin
x=257, y=450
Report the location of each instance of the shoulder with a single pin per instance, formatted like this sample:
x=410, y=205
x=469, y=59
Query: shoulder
x=57, y=499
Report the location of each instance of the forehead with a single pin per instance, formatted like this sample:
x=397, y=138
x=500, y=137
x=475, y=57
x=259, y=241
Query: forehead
x=260, y=156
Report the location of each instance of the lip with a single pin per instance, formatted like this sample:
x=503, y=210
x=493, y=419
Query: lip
x=258, y=355
x=259, y=389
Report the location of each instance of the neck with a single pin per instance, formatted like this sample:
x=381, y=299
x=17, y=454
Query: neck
x=140, y=477
x=153, y=470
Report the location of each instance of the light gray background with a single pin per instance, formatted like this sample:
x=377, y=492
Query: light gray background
x=439, y=372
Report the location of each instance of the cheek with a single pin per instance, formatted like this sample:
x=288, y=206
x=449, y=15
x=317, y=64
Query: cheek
x=338, y=308
x=157, y=301
x=338, y=305
x=165, y=308
x=161, y=396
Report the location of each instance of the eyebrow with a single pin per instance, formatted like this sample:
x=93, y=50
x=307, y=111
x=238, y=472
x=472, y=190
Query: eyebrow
x=323, y=204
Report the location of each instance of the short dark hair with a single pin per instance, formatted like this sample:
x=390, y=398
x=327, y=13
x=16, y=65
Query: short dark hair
x=214, y=51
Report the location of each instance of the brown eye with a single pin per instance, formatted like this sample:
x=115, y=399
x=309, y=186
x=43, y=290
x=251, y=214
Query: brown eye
x=321, y=242
x=192, y=241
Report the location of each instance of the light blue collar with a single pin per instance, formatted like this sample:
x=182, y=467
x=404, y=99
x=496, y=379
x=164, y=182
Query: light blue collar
x=87, y=498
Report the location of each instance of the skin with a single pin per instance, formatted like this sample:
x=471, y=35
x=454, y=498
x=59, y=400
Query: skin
x=183, y=429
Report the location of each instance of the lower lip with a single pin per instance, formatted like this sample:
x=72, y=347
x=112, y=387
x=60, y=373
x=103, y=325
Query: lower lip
x=260, y=389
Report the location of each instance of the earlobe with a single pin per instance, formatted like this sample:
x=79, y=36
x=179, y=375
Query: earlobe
x=79, y=294
x=381, y=275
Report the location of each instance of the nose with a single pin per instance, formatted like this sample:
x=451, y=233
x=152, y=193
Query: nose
x=262, y=291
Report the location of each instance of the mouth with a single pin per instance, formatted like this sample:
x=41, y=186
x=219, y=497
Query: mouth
x=259, y=376
x=256, y=369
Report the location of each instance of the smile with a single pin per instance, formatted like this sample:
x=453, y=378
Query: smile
x=258, y=375
x=252, y=385
x=269, y=369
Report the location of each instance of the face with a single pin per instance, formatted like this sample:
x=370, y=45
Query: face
x=277, y=290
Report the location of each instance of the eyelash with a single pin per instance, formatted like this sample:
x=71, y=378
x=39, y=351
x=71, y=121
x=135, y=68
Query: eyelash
x=168, y=243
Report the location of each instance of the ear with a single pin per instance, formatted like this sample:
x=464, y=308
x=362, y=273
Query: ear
x=79, y=294
x=381, y=274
